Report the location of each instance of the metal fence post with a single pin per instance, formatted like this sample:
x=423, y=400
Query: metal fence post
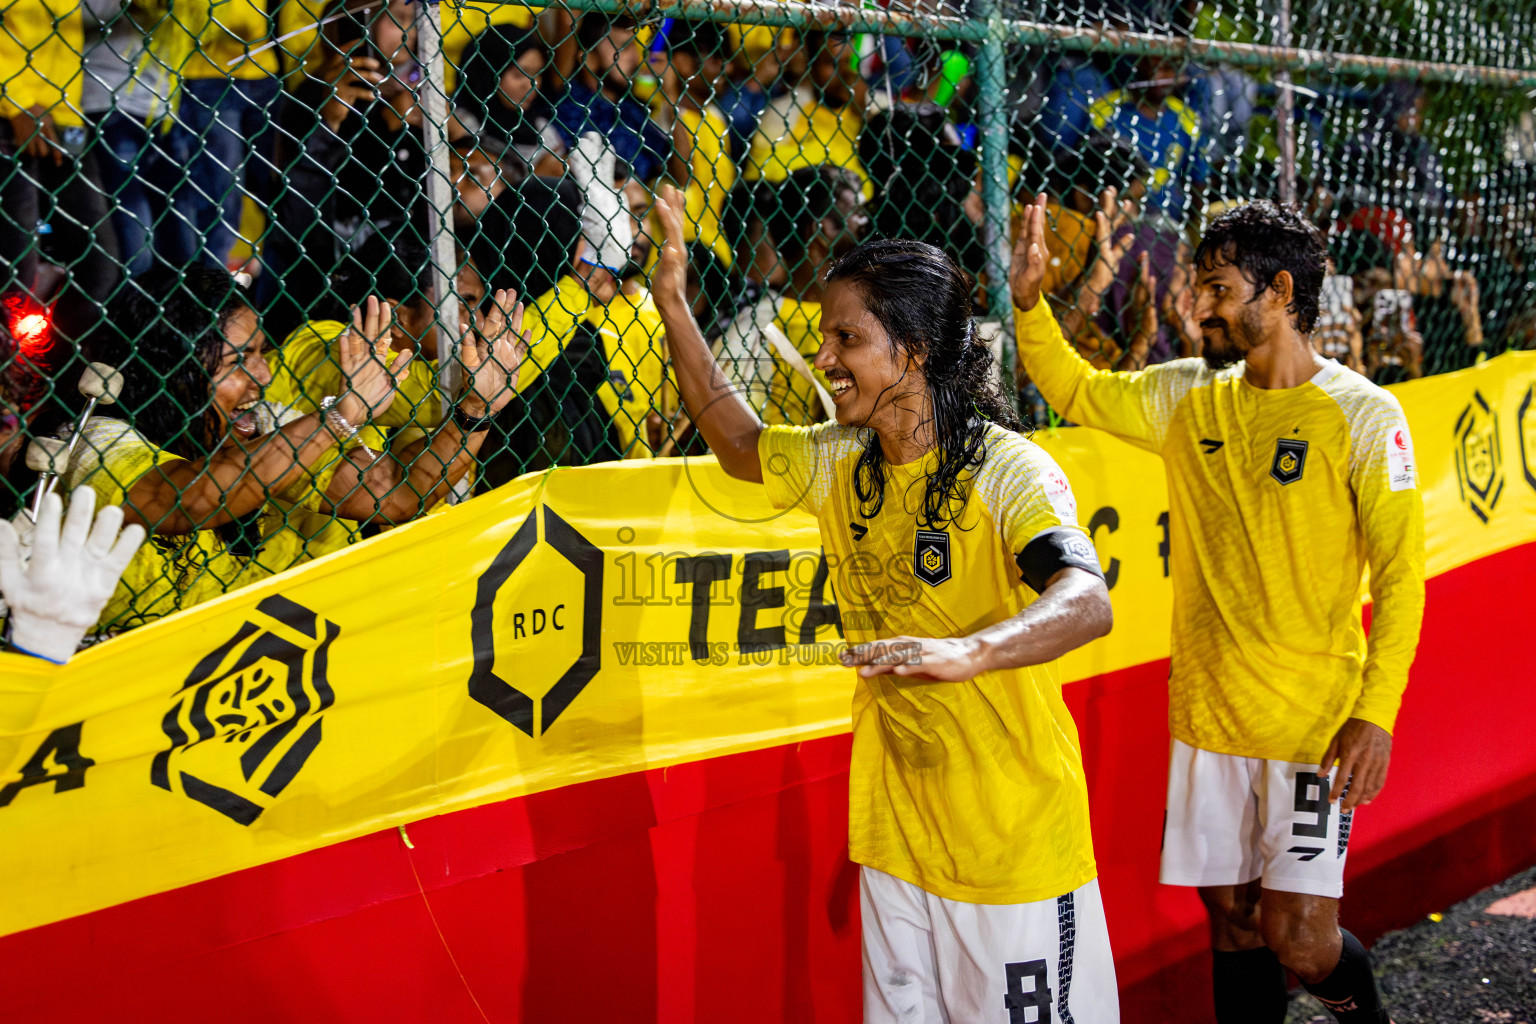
x=992, y=115
x=1285, y=109
x=440, y=195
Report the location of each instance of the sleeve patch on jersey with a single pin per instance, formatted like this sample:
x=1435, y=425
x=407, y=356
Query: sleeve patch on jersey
x=1401, y=472
x=1054, y=550
x=1059, y=493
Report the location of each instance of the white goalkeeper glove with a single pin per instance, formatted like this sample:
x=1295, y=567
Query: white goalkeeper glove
x=605, y=222
x=58, y=594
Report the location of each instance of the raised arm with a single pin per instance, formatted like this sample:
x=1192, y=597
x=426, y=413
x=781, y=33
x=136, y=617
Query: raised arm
x=186, y=495
x=1135, y=406
x=728, y=423
x=397, y=486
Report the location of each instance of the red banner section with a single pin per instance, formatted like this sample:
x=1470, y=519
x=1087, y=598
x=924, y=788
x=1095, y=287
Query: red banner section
x=719, y=890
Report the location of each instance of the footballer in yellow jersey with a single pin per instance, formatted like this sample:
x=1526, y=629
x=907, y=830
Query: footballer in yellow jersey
x=1288, y=477
x=962, y=576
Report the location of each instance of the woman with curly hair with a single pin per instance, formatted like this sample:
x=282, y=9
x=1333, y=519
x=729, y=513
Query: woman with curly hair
x=194, y=453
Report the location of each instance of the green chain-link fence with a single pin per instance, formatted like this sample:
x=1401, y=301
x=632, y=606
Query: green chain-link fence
x=197, y=195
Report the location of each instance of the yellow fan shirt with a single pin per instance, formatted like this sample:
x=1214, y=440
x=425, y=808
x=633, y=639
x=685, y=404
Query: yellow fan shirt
x=713, y=175
x=171, y=571
x=1278, y=501
x=972, y=791
x=634, y=347
x=41, y=42
x=815, y=134
x=305, y=370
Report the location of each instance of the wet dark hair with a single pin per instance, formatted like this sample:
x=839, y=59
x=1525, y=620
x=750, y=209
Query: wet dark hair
x=165, y=333
x=1261, y=239
x=923, y=300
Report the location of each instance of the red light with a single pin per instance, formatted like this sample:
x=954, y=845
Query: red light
x=30, y=330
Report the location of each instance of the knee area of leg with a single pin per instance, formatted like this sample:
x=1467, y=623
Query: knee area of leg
x=1305, y=951
x=1232, y=914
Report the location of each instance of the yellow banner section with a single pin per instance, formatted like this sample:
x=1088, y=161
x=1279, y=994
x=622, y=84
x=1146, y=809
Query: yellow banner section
x=571, y=626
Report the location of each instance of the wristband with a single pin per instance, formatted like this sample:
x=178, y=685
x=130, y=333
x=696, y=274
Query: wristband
x=471, y=424
x=343, y=430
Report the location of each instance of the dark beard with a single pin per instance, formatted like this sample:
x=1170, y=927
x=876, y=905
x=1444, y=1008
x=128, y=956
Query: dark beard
x=1222, y=360
x=1231, y=352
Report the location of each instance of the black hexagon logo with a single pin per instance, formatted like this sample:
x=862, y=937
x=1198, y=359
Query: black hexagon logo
x=488, y=688
x=1525, y=426
x=1479, y=457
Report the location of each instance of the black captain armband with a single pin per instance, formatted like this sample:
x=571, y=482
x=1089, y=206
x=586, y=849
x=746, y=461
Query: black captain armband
x=1053, y=550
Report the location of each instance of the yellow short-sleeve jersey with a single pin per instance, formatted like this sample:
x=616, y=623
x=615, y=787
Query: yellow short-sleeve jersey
x=634, y=350
x=307, y=368
x=171, y=571
x=972, y=791
x=1278, y=501
x=712, y=176
x=233, y=43
x=815, y=134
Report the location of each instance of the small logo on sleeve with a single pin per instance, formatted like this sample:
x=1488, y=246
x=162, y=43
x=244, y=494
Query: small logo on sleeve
x=1401, y=475
x=1211, y=447
x=1290, y=460
x=930, y=557
x=858, y=530
x=1059, y=493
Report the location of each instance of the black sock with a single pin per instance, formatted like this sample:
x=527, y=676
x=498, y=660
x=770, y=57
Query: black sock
x=1350, y=991
x=1249, y=987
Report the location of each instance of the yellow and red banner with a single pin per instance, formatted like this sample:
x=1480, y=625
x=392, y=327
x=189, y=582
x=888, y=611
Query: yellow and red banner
x=571, y=626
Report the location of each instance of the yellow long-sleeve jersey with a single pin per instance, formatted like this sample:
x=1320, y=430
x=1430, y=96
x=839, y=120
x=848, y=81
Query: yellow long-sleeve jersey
x=1278, y=500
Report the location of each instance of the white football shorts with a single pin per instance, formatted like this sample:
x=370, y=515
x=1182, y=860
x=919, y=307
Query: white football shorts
x=1232, y=819
x=928, y=960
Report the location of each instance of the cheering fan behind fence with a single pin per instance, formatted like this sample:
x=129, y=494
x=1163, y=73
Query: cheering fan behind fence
x=501, y=88
x=596, y=384
x=812, y=217
x=701, y=163
x=423, y=455
x=307, y=366
x=354, y=160
x=599, y=98
x=195, y=458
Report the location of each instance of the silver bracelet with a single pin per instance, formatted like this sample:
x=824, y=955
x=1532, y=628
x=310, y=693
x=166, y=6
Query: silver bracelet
x=343, y=430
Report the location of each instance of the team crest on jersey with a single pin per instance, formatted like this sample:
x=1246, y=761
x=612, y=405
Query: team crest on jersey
x=1290, y=460
x=930, y=556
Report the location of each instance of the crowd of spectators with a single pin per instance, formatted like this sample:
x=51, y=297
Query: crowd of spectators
x=231, y=209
